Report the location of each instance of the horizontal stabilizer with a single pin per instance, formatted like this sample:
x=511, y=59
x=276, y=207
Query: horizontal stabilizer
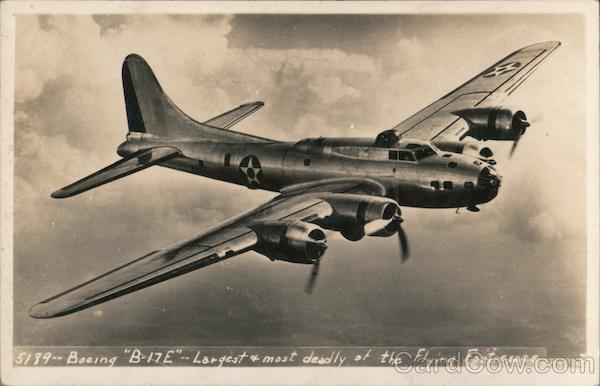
x=230, y=118
x=121, y=168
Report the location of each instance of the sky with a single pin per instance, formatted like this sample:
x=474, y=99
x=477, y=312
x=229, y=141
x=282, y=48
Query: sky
x=510, y=275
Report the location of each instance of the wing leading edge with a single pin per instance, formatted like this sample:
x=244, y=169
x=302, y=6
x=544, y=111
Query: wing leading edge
x=231, y=238
x=487, y=89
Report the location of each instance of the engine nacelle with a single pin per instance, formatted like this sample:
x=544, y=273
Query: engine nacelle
x=494, y=124
x=469, y=148
x=355, y=216
x=296, y=242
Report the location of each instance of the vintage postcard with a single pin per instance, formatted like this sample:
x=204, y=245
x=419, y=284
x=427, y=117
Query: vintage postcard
x=299, y=193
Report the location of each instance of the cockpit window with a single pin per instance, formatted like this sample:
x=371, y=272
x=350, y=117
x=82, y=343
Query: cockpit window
x=424, y=152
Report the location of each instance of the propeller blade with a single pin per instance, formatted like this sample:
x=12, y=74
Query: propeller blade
x=312, y=279
x=520, y=125
x=514, y=146
x=403, y=240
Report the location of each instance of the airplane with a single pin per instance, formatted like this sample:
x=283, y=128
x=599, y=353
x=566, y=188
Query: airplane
x=354, y=186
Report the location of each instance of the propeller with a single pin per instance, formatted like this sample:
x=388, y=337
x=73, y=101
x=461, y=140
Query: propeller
x=519, y=124
x=397, y=221
x=403, y=241
x=312, y=279
x=514, y=146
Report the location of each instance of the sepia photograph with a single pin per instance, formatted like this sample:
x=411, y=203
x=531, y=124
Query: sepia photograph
x=319, y=188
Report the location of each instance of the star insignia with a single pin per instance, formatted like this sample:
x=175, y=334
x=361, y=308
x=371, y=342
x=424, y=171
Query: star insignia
x=251, y=170
x=502, y=69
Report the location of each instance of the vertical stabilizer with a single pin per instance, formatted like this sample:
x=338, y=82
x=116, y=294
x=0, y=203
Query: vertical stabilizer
x=150, y=110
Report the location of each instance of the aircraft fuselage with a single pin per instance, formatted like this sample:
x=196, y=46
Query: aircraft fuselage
x=441, y=180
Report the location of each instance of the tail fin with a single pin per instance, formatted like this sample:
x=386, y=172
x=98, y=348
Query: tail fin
x=150, y=110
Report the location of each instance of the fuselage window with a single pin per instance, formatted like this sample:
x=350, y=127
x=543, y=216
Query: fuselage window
x=435, y=185
x=447, y=155
x=452, y=164
x=200, y=163
x=468, y=185
x=448, y=185
x=227, y=160
x=393, y=155
x=306, y=162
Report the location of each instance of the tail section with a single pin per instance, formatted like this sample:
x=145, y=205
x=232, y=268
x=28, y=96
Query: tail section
x=150, y=110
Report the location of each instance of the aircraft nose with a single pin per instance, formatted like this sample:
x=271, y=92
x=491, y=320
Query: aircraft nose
x=489, y=178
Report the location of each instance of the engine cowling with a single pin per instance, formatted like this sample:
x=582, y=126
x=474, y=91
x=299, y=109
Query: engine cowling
x=469, y=148
x=494, y=124
x=355, y=216
x=296, y=242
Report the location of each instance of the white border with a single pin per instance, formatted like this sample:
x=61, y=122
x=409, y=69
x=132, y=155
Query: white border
x=7, y=86
x=281, y=376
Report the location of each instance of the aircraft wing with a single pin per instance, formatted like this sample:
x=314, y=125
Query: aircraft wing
x=226, y=240
x=486, y=89
x=231, y=117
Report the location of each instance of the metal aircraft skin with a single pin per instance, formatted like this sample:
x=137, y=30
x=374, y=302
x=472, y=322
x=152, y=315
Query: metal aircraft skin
x=354, y=186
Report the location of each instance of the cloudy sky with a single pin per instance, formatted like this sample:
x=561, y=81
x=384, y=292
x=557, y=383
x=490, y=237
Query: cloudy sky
x=511, y=275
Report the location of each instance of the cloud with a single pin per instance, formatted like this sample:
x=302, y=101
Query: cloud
x=109, y=23
x=543, y=226
x=346, y=76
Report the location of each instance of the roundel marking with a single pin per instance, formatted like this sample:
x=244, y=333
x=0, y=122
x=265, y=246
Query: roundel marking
x=502, y=69
x=251, y=171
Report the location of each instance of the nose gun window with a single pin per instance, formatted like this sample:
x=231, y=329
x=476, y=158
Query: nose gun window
x=468, y=185
x=435, y=185
x=448, y=185
x=489, y=179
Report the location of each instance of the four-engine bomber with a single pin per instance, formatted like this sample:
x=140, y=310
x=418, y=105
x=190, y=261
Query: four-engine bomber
x=355, y=186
